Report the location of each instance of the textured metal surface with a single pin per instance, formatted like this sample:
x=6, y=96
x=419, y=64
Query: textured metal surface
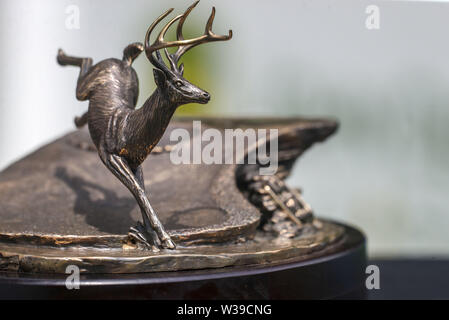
x=62, y=189
x=261, y=250
x=62, y=197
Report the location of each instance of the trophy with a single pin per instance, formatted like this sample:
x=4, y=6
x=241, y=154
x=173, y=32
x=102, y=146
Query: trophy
x=93, y=202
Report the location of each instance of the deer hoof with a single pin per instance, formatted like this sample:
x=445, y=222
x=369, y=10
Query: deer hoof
x=168, y=244
x=139, y=234
x=60, y=57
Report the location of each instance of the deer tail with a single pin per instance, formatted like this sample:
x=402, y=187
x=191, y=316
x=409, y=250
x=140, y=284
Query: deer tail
x=132, y=51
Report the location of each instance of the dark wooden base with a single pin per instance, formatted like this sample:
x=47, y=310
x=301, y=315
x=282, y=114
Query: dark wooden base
x=339, y=274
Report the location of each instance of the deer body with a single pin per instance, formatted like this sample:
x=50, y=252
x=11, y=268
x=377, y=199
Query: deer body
x=125, y=136
x=115, y=123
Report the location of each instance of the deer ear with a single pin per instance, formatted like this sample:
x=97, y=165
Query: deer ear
x=159, y=78
x=181, y=69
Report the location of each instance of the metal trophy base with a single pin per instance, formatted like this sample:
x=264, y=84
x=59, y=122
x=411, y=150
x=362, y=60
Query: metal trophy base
x=62, y=208
x=340, y=273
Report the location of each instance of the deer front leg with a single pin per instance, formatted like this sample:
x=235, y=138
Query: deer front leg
x=138, y=231
x=123, y=172
x=81, y=121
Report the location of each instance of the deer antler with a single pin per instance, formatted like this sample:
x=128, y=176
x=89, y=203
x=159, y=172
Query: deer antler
x=182, y=44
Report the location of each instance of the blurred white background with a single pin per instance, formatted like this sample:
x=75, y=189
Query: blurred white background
x=385, y=171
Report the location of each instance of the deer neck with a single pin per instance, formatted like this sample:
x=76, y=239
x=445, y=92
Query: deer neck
x=149, y=122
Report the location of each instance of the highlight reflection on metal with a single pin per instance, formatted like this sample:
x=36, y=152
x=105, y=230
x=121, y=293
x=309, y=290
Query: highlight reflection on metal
x=279, y=202
x=286, y=210
x=125, y=136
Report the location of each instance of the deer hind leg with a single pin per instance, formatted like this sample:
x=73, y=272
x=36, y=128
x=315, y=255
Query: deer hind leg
x=85, y=64
x=123, y=172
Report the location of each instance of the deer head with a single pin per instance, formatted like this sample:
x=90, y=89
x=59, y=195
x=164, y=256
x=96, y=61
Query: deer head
x=170, y=80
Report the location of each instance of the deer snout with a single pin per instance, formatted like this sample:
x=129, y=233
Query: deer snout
x=205, y=96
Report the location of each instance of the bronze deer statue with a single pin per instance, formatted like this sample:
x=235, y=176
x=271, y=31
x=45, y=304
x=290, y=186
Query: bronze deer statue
x=123, y=135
